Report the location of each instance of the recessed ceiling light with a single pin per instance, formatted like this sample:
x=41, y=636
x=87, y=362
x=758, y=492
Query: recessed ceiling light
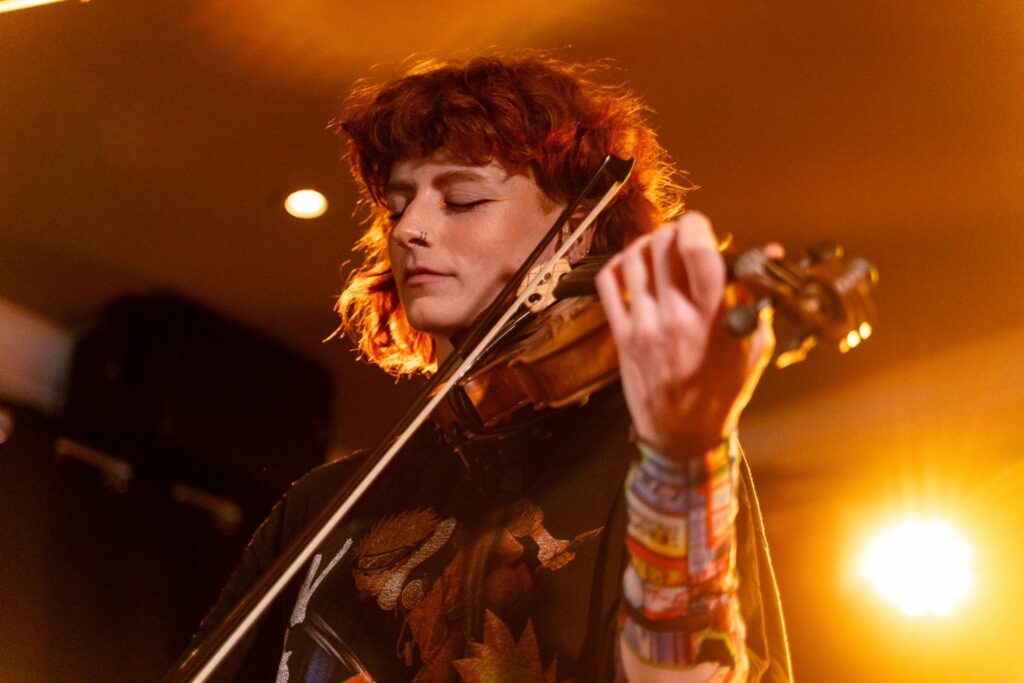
x=306, y=204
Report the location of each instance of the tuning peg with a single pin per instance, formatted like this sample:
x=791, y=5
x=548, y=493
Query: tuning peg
x=824, y=251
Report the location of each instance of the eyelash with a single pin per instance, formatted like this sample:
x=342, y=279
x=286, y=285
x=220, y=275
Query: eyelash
x=464, y=206
x=455, y=207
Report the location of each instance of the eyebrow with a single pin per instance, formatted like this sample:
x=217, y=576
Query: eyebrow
x=441, y=181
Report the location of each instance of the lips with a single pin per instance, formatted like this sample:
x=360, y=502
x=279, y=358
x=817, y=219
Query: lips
x=418, y=275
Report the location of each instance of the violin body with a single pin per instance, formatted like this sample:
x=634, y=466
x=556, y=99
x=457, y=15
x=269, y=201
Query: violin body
x=559, y=359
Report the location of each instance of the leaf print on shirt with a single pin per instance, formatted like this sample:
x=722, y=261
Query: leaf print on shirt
x=501, y=658
x=393, y=548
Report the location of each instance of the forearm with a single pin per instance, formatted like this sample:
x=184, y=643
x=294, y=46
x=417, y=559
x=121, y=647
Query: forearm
x=680, y=619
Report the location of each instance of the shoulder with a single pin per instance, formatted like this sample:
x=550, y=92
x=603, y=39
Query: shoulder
x=309, y=494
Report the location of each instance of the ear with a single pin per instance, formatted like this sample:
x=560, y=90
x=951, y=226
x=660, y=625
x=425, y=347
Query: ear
x=582, y=246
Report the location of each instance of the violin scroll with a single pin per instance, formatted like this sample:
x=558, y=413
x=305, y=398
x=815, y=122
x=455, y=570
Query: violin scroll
x=820, y=297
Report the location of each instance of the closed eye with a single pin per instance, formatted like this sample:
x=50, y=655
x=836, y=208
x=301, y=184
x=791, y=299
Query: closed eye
x=397, y=209
x=464, y=206
x=448, y=205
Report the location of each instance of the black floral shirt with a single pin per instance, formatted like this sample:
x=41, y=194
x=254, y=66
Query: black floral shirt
x=500, y=563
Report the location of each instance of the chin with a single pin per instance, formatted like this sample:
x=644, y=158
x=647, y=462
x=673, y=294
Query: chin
x=437, y=326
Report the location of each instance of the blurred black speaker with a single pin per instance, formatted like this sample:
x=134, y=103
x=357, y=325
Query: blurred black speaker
x=183, y=393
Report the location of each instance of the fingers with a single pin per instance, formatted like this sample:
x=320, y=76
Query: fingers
x=640, y=284
x=632, y=285
x=705, y=269
x=685, y=378
x=665, y=274
x=774, y=250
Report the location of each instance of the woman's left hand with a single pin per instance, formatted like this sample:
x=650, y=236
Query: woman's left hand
x=685, y=377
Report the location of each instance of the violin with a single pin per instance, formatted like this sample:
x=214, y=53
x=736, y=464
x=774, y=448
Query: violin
x=830, y=296
x=564, y=352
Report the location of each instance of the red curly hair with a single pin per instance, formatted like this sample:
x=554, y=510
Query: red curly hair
x=529, y=111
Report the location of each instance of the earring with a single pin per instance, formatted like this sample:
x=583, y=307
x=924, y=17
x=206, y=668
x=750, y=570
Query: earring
x=566, y=233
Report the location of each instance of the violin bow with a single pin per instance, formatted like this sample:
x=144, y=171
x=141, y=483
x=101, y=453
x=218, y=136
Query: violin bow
x=209, y=653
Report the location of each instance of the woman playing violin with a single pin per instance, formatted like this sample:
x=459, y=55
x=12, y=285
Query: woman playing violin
x=612, y=541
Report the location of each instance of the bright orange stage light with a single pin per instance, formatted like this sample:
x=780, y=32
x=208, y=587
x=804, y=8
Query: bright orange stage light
x=922, y=566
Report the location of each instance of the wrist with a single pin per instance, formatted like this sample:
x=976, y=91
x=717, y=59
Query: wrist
x=680, y=452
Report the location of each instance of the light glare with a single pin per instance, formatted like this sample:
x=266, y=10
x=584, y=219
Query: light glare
x=11, y=5
x=306, y=204
x=920, y=566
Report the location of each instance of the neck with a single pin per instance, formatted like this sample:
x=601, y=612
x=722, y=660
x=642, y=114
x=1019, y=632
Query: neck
x=444, y=348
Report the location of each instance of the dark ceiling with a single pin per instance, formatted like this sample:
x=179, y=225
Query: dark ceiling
x=150, y=144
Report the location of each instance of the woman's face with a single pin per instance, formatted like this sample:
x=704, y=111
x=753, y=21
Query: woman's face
x=458, y=234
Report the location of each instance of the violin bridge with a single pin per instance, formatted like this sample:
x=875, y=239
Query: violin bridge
x=543, y=294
